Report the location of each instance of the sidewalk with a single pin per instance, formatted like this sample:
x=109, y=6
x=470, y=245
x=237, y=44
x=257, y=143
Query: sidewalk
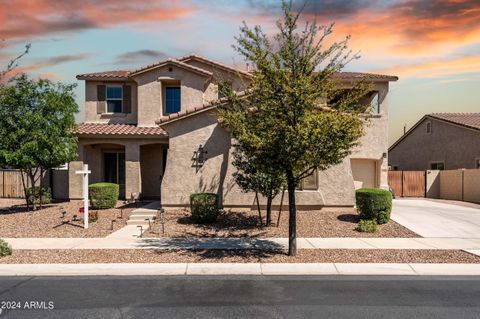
x=236, y=269
x=470, y=244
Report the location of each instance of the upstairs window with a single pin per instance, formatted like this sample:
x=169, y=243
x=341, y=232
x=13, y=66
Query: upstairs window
x=428, y=128
x=172, y=99
x=114, y=99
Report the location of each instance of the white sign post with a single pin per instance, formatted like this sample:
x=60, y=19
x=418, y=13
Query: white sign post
x=85, y=173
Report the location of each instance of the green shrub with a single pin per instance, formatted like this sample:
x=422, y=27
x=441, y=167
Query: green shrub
x=103, y=195
x=367, y=226
x=5, y=248
x=204, y=207
x=35, y=192
x=374, y=204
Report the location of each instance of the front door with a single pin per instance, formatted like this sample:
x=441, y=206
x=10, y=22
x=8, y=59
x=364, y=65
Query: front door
x=115, y=170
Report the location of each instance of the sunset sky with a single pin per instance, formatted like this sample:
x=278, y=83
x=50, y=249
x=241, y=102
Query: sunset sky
x=433, y=46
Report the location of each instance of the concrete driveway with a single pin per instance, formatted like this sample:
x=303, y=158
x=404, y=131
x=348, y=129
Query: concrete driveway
x=430, y=218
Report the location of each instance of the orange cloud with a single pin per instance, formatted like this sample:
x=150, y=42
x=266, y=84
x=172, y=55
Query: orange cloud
x=436, y=68
x=27, y=18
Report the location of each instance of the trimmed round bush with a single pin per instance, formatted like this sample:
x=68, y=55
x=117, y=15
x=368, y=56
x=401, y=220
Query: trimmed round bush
x=5, y=249
x=103, y=195
x=366, y=226
x=374, y=204
x=204, y=207
x=35, y=192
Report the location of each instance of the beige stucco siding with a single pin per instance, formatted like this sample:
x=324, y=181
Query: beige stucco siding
x=219, y=75
x=182, y=178
x=456, y=146
x=151, y=87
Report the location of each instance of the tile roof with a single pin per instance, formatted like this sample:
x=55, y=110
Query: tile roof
x=187, y=112
x=105, y=74
x=215, y=63
x=118, y=129
x=471, y=120
x=361, y=76
x=174, y=62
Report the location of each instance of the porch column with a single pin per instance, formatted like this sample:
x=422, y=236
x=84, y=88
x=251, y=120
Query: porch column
x=133, y=181
x=383, y=164
x=75, y=181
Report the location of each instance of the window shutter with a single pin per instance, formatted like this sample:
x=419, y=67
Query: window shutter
x=101, y=99
x=127, y=99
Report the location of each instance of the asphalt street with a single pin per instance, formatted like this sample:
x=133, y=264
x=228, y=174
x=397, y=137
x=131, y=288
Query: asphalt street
x=240, y=297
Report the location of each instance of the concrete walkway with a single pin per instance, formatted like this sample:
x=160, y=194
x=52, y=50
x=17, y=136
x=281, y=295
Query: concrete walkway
x=430, y=218
x=237, y=269
x=471, y=244
x=137, y=218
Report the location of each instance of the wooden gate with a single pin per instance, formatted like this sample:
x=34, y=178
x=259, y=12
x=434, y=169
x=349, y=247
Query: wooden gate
x=11, y=184
x=407, y=183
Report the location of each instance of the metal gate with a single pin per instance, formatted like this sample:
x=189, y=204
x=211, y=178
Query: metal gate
x=407, y=183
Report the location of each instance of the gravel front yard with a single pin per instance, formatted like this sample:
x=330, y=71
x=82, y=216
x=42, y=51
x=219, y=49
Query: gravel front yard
x=222, y=256
x=245, y=224
x=47, y=222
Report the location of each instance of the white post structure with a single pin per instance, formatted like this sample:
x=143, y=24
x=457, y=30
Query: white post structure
x=85, y=173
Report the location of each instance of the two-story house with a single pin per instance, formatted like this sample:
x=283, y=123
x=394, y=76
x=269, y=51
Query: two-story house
x=155, y=132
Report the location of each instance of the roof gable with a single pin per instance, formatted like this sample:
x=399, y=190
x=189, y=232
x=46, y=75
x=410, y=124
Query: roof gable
x=214, y=64
x=465, y=120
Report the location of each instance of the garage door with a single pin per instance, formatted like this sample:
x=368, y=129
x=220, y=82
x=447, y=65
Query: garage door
x=364, y=173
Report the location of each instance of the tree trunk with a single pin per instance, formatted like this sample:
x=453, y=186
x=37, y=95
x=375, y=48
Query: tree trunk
x=269, y=210
x=259, y=210
x=281, y=206
x=292, y=217
x=32, y=192
x=25, y=186
x=41, y=187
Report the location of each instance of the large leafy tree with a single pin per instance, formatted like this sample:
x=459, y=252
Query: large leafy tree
x=36, y=126
x=294, y=116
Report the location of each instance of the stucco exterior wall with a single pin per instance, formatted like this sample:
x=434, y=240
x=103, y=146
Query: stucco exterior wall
x=182, y=178
x=456, y=146
x=433, y=184
x=471, y=185
x=91, y=150
x=151, y=166
x=451, y=184
x=151, y=91
x=91, y=100
x=219, y=75
x=374, y=143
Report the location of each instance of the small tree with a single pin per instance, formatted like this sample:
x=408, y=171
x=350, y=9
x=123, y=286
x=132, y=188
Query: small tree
x=294, y=117
x=252, y=179
x=36, y=127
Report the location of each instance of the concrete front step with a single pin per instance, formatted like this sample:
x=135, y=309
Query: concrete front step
x=138, y=223
x=141, y=217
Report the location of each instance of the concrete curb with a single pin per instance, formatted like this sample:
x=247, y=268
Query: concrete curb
x=237, y=269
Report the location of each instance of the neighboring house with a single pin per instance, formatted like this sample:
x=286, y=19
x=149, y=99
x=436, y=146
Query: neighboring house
x=439, y=141
x=155, y=132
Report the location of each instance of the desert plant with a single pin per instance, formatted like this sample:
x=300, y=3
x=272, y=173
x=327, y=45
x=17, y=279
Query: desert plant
x=5, y=249
x=204, y=207
x=374, y=204
x=33, y=195
x=103, y=195
x=367, y=226
x=92, y=217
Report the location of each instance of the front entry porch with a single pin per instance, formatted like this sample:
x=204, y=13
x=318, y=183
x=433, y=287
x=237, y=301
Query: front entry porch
x=137, y=166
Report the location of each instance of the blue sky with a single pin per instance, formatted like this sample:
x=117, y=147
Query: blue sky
x=433, y=46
